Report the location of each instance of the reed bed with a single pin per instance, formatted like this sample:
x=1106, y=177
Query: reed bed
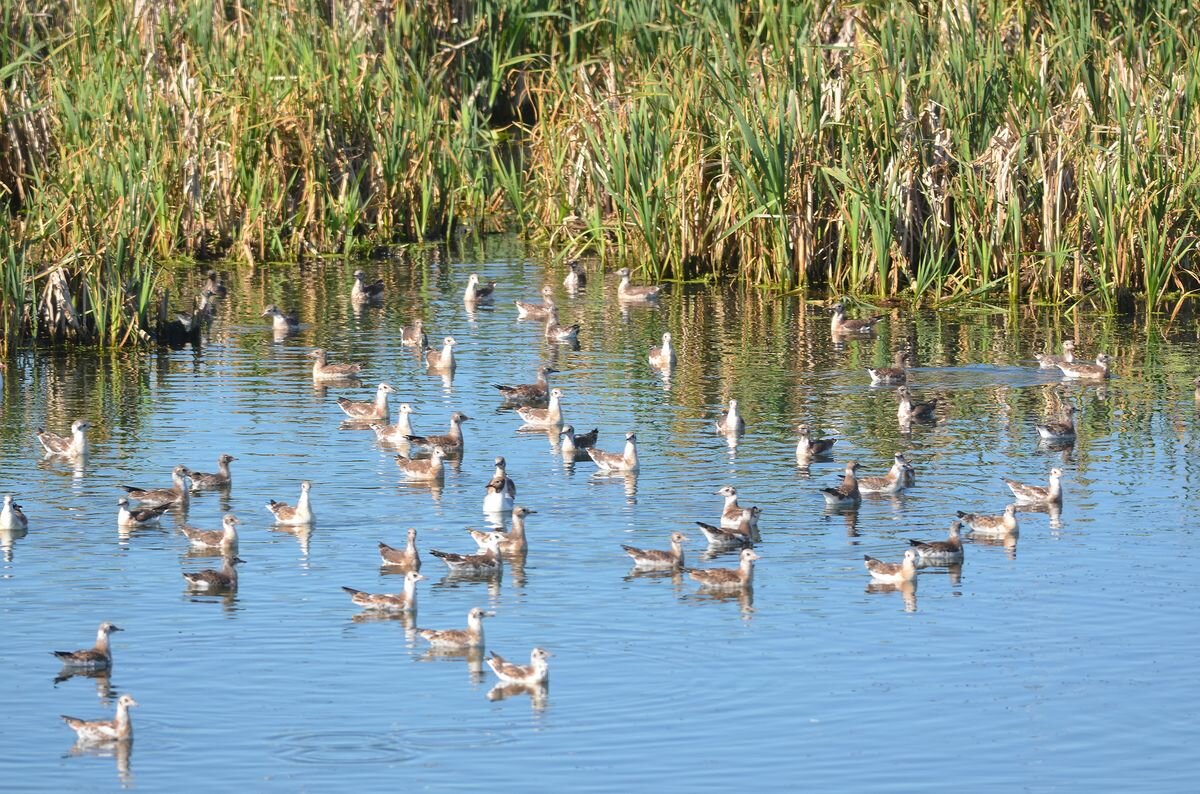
x=943, y=150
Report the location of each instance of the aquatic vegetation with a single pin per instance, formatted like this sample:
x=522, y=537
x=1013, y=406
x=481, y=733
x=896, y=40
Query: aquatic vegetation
x=1038, y=151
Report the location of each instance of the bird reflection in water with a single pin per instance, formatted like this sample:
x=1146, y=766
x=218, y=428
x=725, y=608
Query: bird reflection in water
x=538, y=693
x=908, y=590
x=104, y=688
x=849, y=516
x=120, y=751
x=473, y=656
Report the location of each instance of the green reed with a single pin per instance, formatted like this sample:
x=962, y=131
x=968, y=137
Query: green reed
x=1045, y=151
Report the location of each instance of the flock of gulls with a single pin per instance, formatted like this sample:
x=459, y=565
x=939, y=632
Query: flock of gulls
x=540, y=406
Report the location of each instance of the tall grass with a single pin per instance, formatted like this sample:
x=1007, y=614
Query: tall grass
x=1040, y=151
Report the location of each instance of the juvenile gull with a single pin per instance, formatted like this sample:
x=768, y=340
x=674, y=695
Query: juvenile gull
x=840, y=326
x=537, y=672
x=1083, y=370
x=528, y=394
x=364, y=410
x=209, y=579
x=362, y=292
x=429, y=469
x=740, y=578
x=659, y=559
x=663, y=357
x=12, y=517
x=846, y=494
x=389, y=602
x=73, y=446
x=405, y=559
x=323, y=370
x=470, y=637
x=296, y=516
x=225, y=539
x=631, y=294
x=1038, y=494
x=893, y=572
x=625, y=461
x=98, y=657
x=222, y=478
x=941, y=552
x=119, y=729
x=808, y=448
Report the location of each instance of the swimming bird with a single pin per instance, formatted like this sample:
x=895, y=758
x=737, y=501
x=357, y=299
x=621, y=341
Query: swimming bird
x=451, y=442
x=215, y=284
x=558, y=333
x=893, y=482
x=740, y=578
x=893, y=572
x=625, y=461
x=1050, y=361
x=550, y=416
x=1000, y=525
x=576, y=446
x=476, y=292
x=425, y=470
x=405, y=559
x=890, y=376
x=323, y=370
x=1037, y=494
x=470, y=637
x=389, y=602
x=179, y=493
x=443, y=360
x=722, y=538
x=209, y=579
x=530, y=394
x=846, y=494
x=528, y=310
x=362, y=410
x=98, y=657
x=362, y=292
x=399, y=432
x=536, y=673
x=500, y=490
x=225, y=539
x=840, y=326
x=282, y=323
x=1059, y=430
x=941, y=552
x=75, y=446
x=663, y=357
x=576, y=277
x=659, y=559
x=731, y=422
x=296, y=516
x=222, y=478
x=489, y=561
x=11, y=516
x=910, y=411
x=514, y=541
x=731, y=513
x=414, y=335
x=631, y=294
x=119, y=729
x=808, y=448
x=140, y=516
x=1083, y=370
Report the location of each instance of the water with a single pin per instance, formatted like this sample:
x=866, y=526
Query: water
x=1064, y=661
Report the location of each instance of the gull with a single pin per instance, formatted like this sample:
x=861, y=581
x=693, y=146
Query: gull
x=389, y=602
x=74, y=446
x=119, y=729
x=658, y=559
x=98, y=657
x=893, y=572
